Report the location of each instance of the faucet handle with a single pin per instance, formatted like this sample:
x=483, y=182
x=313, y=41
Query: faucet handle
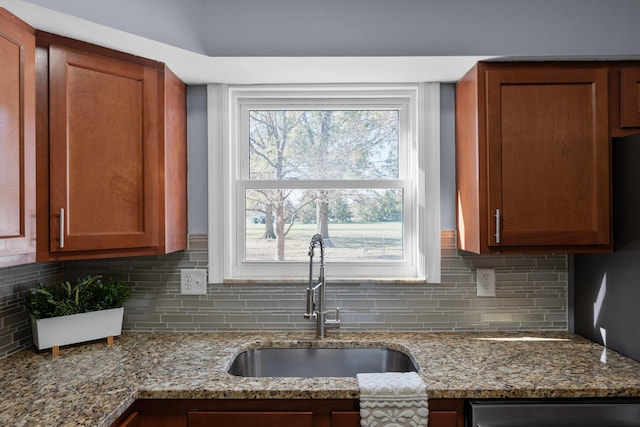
x=334, y=323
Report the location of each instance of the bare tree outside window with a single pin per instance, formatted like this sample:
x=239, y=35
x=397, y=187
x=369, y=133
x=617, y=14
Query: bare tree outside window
x=314, y=147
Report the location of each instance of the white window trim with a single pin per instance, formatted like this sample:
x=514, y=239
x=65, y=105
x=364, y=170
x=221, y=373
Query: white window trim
x=221, y=116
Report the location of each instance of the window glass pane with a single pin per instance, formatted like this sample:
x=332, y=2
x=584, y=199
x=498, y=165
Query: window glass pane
x=323, y=144
x=358, y=225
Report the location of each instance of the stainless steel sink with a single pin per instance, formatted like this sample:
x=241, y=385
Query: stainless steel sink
x=319, y=362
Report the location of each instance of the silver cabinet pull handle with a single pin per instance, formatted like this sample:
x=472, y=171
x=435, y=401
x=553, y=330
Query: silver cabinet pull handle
x=497, y=215
x=61, y=228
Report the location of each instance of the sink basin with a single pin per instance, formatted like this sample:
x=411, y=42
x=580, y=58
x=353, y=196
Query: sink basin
x=319, y=362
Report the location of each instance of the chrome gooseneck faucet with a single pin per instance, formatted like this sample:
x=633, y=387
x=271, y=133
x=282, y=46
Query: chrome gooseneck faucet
x=316, y=306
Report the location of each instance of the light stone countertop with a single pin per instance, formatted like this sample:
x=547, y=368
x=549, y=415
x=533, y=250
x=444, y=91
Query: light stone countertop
x=91, y=385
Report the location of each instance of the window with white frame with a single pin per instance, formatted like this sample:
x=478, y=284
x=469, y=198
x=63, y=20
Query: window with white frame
x=359, y=165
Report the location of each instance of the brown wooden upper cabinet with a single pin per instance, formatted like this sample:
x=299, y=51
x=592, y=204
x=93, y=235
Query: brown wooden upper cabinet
x=17, y=142
x=532, y=158
x=630, y=97
x=111, y=152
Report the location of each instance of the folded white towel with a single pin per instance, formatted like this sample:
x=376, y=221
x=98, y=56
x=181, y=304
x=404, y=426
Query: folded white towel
x=393, y=399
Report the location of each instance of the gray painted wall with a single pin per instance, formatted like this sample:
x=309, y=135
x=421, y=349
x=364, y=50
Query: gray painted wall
x=197, y=161
x=373, y=27
x=606, y=291
x=178, y=23
x=613, y=280
x=447, y=157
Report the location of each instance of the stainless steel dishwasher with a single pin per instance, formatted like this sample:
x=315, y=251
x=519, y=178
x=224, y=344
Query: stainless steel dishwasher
x=554, y=413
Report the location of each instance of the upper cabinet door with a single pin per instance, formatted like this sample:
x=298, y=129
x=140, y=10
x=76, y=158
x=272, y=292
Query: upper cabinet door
x=630, y=97
x=103, y=152
x=548, y=157
x=17, y=141
x=533, y=158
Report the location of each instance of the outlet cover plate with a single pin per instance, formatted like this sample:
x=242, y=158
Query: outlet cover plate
x=486, y=279
x=193, y=282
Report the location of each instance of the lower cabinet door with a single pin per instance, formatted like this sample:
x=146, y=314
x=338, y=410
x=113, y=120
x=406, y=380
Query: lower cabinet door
x=249, y=419
x=630, y=97
x=443, y=419
x=345, y=419
x=446, y=413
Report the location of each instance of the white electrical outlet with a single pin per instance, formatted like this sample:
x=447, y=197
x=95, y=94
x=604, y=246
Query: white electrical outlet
x=193, y=282
x=486, y=278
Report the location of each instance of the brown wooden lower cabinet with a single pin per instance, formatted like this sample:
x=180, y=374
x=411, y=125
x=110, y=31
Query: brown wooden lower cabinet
x=268, y=413
x=130, y=419
x=345, y=419
x=250, y=418
x=446, y=413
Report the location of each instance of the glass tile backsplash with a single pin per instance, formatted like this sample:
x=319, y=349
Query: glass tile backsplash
x=531, y=294
x=15, y=323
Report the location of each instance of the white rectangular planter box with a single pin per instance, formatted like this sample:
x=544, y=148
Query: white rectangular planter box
x=75, y=328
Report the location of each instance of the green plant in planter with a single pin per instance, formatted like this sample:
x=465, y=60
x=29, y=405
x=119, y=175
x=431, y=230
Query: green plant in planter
x=90, y=293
